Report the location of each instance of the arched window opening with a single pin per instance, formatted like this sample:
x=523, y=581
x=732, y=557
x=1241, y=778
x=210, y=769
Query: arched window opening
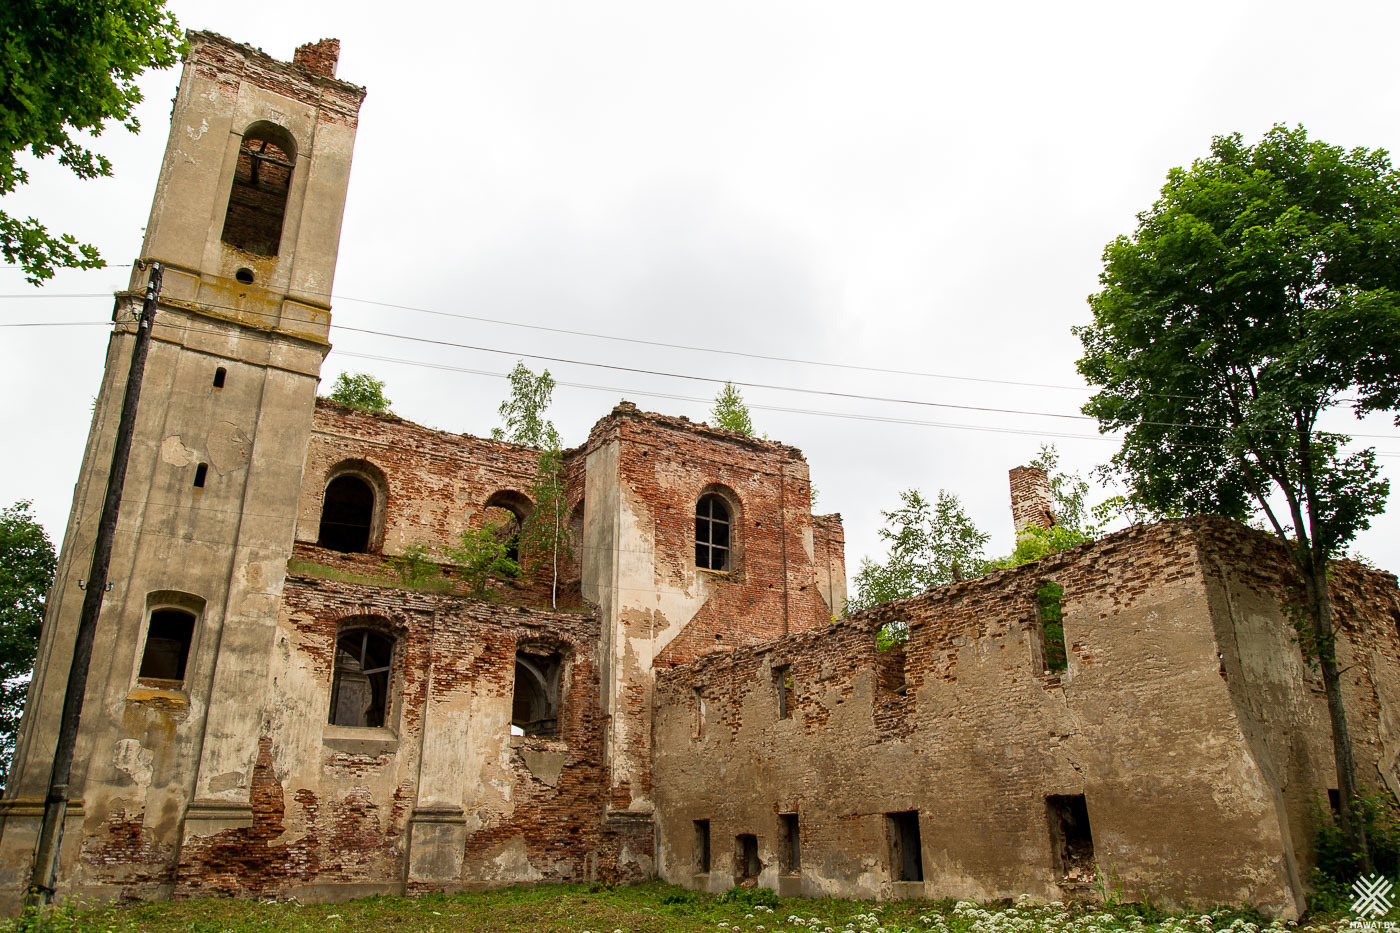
x=258, y=202
x=712, y=533
x=347, y=515
x=360, y=688
x=506, y=512
x=535, y=707
x=219, y=375
x=169, y=633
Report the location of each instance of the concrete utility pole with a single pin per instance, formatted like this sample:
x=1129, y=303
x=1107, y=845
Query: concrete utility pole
x=45, y=874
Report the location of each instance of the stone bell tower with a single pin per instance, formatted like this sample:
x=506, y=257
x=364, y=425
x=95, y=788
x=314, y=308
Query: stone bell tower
x=246, y=222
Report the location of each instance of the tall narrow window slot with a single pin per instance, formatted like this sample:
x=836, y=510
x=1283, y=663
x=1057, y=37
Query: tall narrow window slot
x=1049, y=600
x=712, y=527
x=1071, y=840
x=783, y=687
x=789, y=844
x=347, y=515
x=219, y=375
x=168, y=636
x=746, y=863
x=360, y=689
x=200, y=473
x=258, y=201
x=702, y=846
x=699, y=700
x=906, y=850
x=535, y=707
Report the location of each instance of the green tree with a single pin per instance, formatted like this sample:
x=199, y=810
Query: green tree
x=27, y=566
x=523, y=412
x=1075, y=522
x=483, y=553
x=360, y=391
x=930, y=544
x=730, y=412
x=546, y=538
x=1258, y=293
x=66, y=68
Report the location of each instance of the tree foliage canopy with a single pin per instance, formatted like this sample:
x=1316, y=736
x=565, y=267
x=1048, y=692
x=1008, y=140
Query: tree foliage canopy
x=926, y=541
x=523, y=412
x=730, y=412
x=1261, y=288
x=66, y=68
x=360, y=391
x=27, y=565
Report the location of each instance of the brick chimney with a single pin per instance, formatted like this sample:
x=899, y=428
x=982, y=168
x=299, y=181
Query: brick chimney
x=1031, y=502
x=319, y=58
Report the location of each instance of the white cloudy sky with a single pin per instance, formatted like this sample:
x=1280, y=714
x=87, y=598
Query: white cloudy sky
x=922, y=187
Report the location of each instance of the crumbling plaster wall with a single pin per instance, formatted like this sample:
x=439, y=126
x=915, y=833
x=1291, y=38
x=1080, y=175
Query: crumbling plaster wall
x=1145, y=723
x=645, y=473
x=440, y=797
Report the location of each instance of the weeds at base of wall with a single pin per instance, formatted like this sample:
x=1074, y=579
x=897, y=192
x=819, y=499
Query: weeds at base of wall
x=653, y=907
x=431, y=584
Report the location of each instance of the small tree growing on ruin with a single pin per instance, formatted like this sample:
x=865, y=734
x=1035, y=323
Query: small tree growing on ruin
x=483, y=553
x=730, y=412
x=546, y=539
x=360, y=391
x=1260, y=291
x=523, y=412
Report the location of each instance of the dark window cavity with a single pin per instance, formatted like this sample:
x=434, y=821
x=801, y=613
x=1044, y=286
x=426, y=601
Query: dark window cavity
x=535, y=708
x=1070, y=838
x=1049, y=599
x=347, y=515
x=360, y=690
x=782, y=686
x=258, y=201
x=712, y=527
x=746, y=863
x=789, y=844
x=200, y=472
x=702, y=846
x=219, y=375
x=168, y=636
x=906, y=851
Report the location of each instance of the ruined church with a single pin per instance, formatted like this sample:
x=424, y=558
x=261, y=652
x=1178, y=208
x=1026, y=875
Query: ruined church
x=272, y=711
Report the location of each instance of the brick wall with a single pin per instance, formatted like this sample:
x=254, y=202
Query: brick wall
x=1150, y=722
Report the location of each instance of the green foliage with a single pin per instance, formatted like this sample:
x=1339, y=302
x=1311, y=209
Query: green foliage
x=891, y=634
x=481, y=554
x=546, y=539
x=66, y=68
x=360, y=391
x=523, y=412
x=730, y=412
x=1335, y=858
x=927, y=540
x=415, y=565
x=429, y=583
x=1049, y=599
x=750, y=897
x=1036, y=542
x=1258, y=292
x=27, y=564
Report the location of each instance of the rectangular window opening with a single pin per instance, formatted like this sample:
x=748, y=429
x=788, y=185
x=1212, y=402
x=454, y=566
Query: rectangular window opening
x=1070, y=837
x=702, y=846
x=746, y=863
x=168, y=636
x=906, y=850
x=200, y=472
x=783, y=686
x=219, y=375
x=891, y=648
x=1334, y=800
x=789, y=844
x=1049, y=601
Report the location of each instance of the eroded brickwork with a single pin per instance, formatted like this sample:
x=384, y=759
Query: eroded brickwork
x=1184, y=694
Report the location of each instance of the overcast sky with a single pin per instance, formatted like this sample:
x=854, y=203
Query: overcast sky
x=905, y=186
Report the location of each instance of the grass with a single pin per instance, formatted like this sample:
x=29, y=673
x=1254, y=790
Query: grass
x=644, y=908
x=306, y=568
